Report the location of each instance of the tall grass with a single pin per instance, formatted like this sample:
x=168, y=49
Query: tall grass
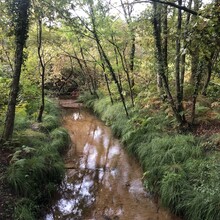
x=25, y=209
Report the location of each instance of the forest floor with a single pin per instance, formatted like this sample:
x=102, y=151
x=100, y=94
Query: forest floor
x=207, y=129
x=7, y=198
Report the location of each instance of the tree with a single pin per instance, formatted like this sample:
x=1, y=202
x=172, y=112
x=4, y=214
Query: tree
x=20, y=20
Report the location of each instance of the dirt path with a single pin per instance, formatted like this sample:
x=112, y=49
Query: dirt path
x=102, y=182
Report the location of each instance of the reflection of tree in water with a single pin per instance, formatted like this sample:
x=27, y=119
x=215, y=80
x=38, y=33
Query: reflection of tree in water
x=101, y=182
x=77, y=194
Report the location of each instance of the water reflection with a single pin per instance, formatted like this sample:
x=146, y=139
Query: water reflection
x=77, y=116
x=76, y=194
x=101, y=182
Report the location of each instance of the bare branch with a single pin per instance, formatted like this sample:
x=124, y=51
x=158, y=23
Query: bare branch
x=167, y=3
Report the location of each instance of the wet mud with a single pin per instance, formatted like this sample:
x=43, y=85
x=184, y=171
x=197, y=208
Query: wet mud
x=102, y=181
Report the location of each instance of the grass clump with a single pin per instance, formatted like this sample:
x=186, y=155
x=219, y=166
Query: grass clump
x=88, y=99
x=36, y=166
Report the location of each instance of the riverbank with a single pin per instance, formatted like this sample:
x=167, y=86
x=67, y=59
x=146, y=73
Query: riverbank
x=31, y=166
x=181, y=169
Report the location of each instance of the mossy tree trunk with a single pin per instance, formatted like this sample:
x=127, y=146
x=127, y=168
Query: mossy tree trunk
x=19, y=10
x=160, y=63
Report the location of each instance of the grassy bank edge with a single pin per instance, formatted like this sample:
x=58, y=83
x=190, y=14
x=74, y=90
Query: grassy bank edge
x=36, y=166
x=183, y=170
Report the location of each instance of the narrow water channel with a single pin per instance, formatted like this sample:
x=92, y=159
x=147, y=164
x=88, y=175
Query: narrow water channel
x=102, y=182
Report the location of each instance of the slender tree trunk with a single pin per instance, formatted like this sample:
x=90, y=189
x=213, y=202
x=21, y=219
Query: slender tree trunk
x=87, y=72
x=7, y=56
x=196, y=90
x=160, y=63
x=128, y=17
x=126, y=70
x=42, y=67
x=84, y=69
x=131, y=65
x=116, y=61
x=159, y=79
x=209, y=74
x=165, y=38
x=20, y=13
x=179, y=90
x=103, y=54
x=108, y=87
x=194, y=51
x=183, y=56
x=105, y=76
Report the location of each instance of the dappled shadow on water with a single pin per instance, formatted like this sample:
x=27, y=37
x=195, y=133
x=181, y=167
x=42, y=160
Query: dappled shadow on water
x=102, y=181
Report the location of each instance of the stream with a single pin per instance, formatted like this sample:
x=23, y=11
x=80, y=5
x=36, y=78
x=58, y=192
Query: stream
x=102, y=181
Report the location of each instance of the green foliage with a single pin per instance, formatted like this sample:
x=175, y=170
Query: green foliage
x=50, y=122
x=88, y=99
x=169, y=150
x=32, y=138
x=172, y=189
x=51, y=107
x=213, y=90
x=25, y=209
x=21, y=118
x=36, y=165
x=202, y=202
x=100, y=105
x=4, y=88
x=60, y=139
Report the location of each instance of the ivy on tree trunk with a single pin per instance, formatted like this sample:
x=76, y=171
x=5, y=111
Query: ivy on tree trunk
x=19, y=10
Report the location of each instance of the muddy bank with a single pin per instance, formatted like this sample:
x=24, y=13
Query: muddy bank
x=102, y=181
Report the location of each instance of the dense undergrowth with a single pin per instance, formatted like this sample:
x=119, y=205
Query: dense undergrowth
x=183, y=170
x=36, y=165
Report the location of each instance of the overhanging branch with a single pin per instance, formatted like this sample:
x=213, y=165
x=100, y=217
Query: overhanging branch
x=167, y=3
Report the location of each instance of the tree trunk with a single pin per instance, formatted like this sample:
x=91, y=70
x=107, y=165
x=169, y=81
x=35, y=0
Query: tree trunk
x=194, y=51
x=103, y=54
x=159, y=79
x=183, y=56
x=105, y=76
x=165, y=37
x=206, y=84
x=20, y=19
x=196, y=90
x=160, y=63
x=179, y=90
x=86, y=71
x=42, y=67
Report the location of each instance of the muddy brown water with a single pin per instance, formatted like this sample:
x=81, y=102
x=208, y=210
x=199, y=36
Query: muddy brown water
x=102, y=181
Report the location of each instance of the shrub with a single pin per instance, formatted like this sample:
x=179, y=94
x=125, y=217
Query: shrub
x=31, y=137
x=88, y=99
x=60, y=139
x=50, y=122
